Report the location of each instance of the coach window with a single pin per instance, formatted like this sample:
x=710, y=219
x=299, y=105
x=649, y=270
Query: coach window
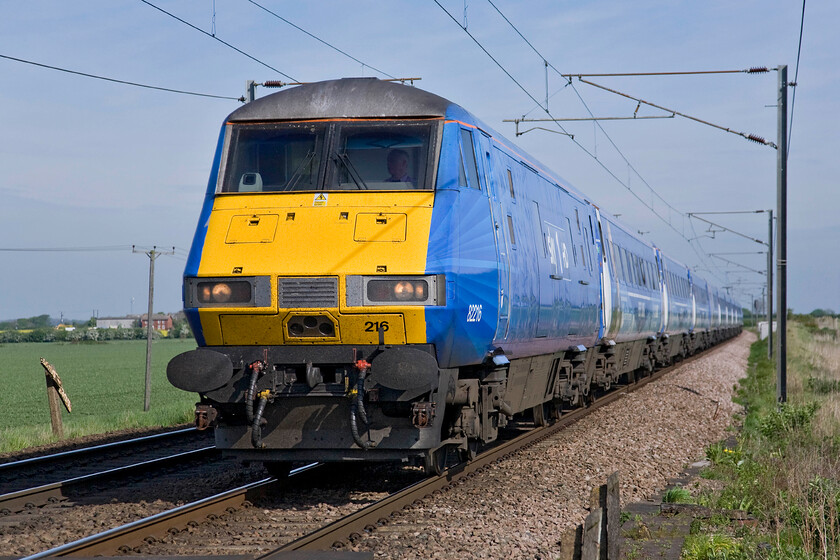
x=584, y=250
x=571, y=241
x=612, y=255
x=619, y=265
x=468, y=158
x=539, y=225
x=634, y=266
x=510, y=184
x=625, y=274
x=510, y=229
x=624, y=271
x=629, y=271
x=639, y=271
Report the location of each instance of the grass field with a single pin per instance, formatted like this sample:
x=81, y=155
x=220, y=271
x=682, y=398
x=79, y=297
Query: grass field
x=105, y=383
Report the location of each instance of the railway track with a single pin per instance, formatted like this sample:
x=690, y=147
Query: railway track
x=17, y=476
x=56, y=492
x=130, y=538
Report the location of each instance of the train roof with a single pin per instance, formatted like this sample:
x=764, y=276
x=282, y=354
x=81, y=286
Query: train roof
x=344, y=98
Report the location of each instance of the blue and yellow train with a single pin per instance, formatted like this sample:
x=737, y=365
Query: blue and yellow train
x=377, y=275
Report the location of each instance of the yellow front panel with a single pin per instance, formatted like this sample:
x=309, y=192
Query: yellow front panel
x=364, y=329
x=246, y=330
x=317, y=234
x=380, y=227
x=252, y=228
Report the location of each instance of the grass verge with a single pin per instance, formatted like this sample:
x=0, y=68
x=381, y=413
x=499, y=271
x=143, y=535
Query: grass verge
x=785, y=468
x=105, y=383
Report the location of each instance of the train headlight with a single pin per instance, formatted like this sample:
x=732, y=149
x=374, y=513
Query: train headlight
x=224, y=292
x=227, y=292
x=397, y=290
x=403, y=290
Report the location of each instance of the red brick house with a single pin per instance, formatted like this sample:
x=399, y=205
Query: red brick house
x=160, y=322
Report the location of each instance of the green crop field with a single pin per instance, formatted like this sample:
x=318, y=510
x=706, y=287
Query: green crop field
x=104, y=381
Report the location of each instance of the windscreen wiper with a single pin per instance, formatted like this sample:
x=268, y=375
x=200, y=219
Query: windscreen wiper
x=298, y=174
x=351, y=170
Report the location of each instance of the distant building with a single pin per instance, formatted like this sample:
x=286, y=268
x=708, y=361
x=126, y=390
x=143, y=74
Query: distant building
x=160, y=321
x=116, y=322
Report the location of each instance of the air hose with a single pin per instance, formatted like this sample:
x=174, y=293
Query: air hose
x=358, y=405
x=256, y=426
x=250, y=394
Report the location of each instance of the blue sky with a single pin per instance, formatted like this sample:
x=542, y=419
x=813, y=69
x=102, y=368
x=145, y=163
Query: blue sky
x=88, y=163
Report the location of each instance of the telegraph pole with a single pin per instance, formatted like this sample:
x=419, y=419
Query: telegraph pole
x=153, y=254
x=781, y=260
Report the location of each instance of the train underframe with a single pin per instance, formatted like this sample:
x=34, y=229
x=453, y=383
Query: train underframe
x=285, y=404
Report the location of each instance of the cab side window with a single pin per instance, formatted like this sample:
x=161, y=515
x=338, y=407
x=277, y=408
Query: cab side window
x=468, y=162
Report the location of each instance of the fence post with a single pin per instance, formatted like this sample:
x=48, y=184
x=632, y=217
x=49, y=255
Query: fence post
x=601, y=528
x=613, y=516
x=55, y=391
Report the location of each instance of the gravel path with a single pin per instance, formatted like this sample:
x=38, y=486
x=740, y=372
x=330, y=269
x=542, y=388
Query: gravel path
x=521, y=507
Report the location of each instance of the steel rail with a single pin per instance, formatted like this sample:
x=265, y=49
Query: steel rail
x=14, y=502
x=91, y=450
x=124, y=537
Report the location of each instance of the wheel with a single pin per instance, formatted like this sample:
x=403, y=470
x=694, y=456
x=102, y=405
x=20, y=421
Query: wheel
x=546, y=413
x=435, y=461
x=540, y=416
x=278, y=469
x=465, y=455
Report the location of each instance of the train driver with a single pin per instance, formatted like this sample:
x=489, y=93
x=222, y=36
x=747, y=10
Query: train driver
x=398, y=167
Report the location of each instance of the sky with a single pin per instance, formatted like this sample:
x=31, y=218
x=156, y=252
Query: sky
x=93, y=167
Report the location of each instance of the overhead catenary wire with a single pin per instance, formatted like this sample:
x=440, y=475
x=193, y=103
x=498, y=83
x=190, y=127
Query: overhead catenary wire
x=136, y=84
x=65, y=249
x=499, y=64
x=550, y=65
x=333, y=47
x=178, y=251
x=751, y=137
x=796, y=76
x=584, y=149
x=212, y=36
x=568, y=77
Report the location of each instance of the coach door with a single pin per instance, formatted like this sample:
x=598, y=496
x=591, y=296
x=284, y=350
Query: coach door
x=499, y=231
x=585, y=321
x=605, y=280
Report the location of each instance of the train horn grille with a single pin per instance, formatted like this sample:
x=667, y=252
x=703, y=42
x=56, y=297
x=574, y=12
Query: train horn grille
x=307, y=292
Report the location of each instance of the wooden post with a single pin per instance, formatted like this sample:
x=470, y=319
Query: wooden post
x=55, y=392
x=592, y=527
x=602, y=526
x=613, y=516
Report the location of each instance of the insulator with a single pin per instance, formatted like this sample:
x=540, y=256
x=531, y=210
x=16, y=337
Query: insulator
x=273, y=83
x=755, y=138
x=758, y=70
